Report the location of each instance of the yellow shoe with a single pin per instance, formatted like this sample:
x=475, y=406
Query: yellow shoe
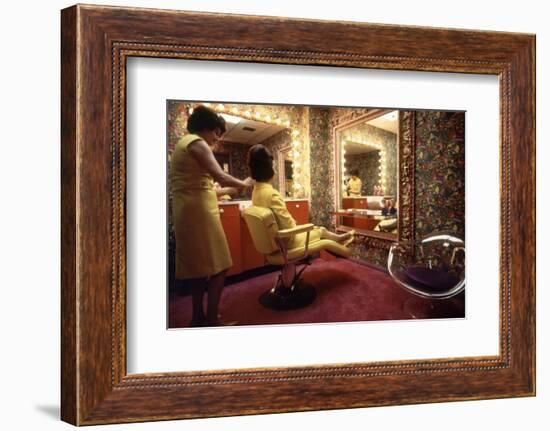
x=350, y=238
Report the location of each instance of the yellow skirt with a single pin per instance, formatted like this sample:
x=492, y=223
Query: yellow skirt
x=201, y=246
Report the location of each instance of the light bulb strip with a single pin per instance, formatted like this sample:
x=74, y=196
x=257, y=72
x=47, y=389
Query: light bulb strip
x=266, y=118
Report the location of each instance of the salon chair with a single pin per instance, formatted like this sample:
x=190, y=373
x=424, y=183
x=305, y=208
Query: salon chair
x=289, y=292
x=432, y=269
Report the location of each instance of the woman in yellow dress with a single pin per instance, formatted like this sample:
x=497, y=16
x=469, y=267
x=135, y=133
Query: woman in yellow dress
x=202, y=253
x=355, y=184
x=260, y=162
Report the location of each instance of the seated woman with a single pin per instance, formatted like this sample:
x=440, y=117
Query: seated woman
x=260, y=162
x=389, y=209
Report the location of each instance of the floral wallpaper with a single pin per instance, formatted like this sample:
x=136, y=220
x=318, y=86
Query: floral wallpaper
x=177, y=113
x=238, y=154
x=321, y=167
x=440, y=180
x=274, y=144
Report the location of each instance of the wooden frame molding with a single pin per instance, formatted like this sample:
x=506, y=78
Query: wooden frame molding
x=96, y=42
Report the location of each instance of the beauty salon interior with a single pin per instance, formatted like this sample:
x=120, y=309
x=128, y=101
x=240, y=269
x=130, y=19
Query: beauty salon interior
x=389, y=183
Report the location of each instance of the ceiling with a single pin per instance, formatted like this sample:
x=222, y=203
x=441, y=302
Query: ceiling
x=352, y=148
x=387, y=122
x=238, y=130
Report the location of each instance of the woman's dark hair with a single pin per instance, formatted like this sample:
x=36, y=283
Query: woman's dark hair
x=260, y=162
x=354, y=172
x=204, y=118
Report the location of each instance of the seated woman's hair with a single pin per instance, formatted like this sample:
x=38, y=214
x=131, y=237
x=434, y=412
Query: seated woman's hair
x=354, y=172
x=204, y=118
x=260, y=162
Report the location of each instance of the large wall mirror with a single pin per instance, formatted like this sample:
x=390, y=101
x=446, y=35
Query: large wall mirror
x=241, y=134
x=285, y=170
x=372, y=153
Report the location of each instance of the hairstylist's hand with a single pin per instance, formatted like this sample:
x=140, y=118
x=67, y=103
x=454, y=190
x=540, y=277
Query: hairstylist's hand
x=249, y=182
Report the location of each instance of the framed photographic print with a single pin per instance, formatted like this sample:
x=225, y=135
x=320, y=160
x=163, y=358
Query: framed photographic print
x=336, y=222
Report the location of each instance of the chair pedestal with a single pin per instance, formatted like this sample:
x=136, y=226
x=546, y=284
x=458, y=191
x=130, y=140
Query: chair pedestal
x=299, y=295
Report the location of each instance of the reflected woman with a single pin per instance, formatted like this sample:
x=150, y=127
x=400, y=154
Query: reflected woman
x=202, y=253
x=355, y=184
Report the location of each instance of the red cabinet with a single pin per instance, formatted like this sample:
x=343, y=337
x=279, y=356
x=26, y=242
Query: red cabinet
x=359, y=203
x=358, y=222
x=244, y=254
x=299, y=210
x=230, y=216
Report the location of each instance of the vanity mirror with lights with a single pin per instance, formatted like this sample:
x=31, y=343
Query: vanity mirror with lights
x=245, y=128
x=285, y=171
x=281, y=129
x=370, y=178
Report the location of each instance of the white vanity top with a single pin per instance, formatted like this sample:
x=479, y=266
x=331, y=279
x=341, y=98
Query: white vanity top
x=369, y=197
x=245, y=204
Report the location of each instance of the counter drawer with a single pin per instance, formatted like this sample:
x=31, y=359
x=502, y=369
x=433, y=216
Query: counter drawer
x=299, y=211
x=230, y=210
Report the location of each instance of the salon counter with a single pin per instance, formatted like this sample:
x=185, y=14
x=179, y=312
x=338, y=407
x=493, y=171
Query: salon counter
x=242, y=248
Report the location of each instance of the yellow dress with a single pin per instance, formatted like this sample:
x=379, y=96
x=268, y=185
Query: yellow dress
x=354, y=187
x=264, y=195
x=201, y=246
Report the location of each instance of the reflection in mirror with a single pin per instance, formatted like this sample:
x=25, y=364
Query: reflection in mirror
x=285, y=166
x=368, y=150
x=243, y=133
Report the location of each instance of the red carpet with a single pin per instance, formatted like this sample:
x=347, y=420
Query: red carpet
x=346, y=292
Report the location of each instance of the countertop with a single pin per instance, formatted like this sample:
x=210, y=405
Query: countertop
x=247, y=203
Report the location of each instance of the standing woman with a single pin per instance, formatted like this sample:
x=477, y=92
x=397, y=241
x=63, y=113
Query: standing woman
x=355, y=184
x=202, y=253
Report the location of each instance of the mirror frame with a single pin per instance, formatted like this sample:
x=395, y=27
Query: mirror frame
x=406, y=158
x=281, y=169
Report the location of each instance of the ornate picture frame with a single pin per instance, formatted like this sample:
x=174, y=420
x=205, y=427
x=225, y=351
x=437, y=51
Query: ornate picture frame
x=96, y=42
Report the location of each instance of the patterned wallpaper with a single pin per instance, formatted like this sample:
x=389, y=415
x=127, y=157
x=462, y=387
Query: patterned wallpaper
x=440, y=180
x=176, y=122
x=238, y=153
x=367, y=165
x=322, y=168
x=274, y=144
